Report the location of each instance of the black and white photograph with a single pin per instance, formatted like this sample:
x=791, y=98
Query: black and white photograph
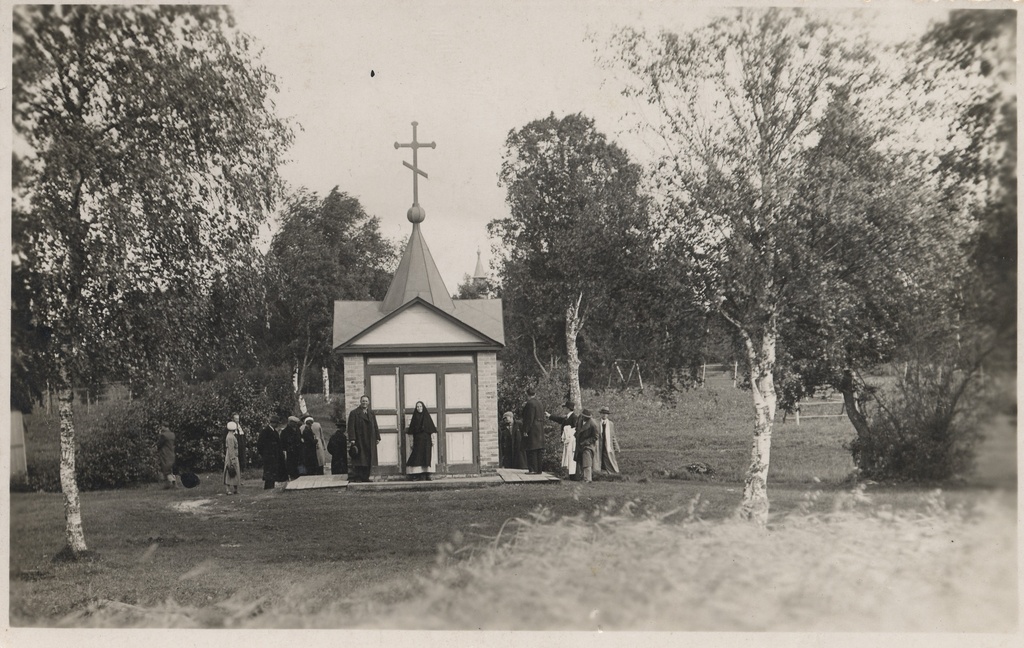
x=543, y=322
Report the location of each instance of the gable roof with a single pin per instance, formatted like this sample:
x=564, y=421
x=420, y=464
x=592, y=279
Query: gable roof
x=483, y=317
x=417, y=276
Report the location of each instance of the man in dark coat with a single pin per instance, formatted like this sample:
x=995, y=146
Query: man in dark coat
x=586, y=442
x=365, y=435
x=337, y=447
x=291, y=443
x=269, y=447
x=533, y=431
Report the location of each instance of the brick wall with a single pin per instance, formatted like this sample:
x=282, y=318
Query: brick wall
x=355, y=380
x=487, y=401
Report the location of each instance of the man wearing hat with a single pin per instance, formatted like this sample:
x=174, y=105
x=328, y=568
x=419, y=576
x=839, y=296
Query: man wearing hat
x=269, y=447
x=586, y=441
x=609, y=442
x=232, y=469
x=364, y=434
x=533, y=431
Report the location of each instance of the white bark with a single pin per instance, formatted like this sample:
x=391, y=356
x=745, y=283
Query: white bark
x=573, y=325
x=68, y=484
x=327, y=384
x=755, y=489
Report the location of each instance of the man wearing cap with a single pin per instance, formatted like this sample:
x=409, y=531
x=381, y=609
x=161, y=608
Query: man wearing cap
x=586, y=441
x=609, y=442
x=533, y=431
x=269, y=447
x=365, y=435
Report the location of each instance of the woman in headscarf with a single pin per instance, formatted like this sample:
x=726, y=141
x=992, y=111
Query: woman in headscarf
x=422, y=430
x=308, y=462
x=232, y=468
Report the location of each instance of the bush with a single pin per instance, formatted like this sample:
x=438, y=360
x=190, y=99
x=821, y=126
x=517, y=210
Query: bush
x=927, y=430
x=119, y=452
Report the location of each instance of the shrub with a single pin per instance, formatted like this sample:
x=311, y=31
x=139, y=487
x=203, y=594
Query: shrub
x=926, y=430
x=119, y=452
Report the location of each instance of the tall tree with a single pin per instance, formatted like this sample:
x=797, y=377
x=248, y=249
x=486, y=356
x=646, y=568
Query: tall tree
x=148, y=150
x=748, y=108
x=576, y=240
x=326, y=249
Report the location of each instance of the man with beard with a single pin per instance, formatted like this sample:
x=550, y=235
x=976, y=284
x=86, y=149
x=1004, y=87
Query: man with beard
x=365, y=435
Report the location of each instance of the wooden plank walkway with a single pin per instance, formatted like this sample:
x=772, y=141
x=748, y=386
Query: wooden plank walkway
x=504, y=476
x=513, y=476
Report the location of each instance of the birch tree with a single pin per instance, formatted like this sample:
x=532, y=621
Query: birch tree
x=739, y=105
x=147, y=149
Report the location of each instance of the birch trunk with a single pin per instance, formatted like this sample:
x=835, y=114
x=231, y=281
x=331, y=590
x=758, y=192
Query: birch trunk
x=327, y=384
x=297, y=386
x=755, y=488
x=68, y=483
x=573, y=324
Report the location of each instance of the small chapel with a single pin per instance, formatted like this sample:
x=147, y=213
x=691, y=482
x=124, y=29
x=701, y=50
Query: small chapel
x=419, y=344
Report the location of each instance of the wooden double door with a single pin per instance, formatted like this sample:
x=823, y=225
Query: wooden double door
x=448, y=389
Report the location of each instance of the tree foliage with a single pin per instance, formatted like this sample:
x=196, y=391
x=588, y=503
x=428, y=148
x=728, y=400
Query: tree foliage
x=325, y=250
x=578, y=231
x=147, y=150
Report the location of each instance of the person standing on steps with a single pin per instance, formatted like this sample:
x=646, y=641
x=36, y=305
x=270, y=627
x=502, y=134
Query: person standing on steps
x=422, y=430
x=364, y=435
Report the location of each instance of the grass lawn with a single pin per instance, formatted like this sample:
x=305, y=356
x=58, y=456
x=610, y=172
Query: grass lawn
x=328, y=552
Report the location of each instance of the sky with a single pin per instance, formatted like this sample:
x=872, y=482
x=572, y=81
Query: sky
x=354, y=75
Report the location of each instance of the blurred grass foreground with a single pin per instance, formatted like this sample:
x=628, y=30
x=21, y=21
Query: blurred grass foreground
x=861, y=566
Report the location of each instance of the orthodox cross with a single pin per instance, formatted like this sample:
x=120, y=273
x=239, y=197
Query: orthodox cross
x=416, y=172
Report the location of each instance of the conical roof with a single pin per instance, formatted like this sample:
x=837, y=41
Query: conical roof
x=417, y=276
x=479, y=273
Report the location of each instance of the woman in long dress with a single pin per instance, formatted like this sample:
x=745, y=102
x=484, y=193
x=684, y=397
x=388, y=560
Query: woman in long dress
x=569, y=448
x=231, y=463
x=422, y=430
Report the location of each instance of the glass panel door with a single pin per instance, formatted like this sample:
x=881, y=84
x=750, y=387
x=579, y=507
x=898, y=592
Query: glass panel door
x=384, y=402
x=458, y=409
x=420, y=387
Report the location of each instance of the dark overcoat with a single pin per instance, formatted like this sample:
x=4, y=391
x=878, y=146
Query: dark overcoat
x=309, y=459
x=586, y=436
x=337, y=446
x=291, y=443
x=533, y=425
x=363, y=431
x=422, y=430
x=269, y=446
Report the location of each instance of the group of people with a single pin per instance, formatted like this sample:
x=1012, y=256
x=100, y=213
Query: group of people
x=295, y=450
x=586, y=444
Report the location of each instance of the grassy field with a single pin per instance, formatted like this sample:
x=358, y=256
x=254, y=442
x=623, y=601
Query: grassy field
x=654, y=542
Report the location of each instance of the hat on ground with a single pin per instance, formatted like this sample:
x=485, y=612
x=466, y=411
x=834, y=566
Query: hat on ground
x=605, y=410
x=308, y=419
x=232, y=425
x=586, y=413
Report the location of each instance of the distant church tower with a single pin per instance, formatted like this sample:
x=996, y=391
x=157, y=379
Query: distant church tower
x=480, y=276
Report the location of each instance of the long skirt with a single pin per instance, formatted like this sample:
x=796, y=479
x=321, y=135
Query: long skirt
x=569, y=454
